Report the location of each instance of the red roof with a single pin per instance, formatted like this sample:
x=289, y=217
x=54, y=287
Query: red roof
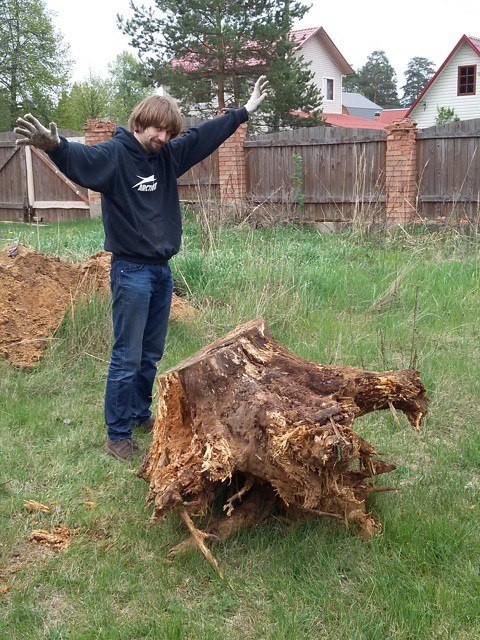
x=475, y=43
x=387, y=116
x=344, y=120
x=351, y=122
x=300, y=36
x=472, y=42
x=188, y=62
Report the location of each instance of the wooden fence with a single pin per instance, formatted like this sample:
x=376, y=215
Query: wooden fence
x=320, y=174
x=323, y=173
x=448, y=170
x=32, y=188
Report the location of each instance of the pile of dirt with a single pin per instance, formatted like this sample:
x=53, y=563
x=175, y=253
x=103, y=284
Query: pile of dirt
x=95, y=272
x=35, y=293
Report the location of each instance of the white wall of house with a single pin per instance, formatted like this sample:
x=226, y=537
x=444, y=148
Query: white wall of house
x=324, y=68
x=443, y=92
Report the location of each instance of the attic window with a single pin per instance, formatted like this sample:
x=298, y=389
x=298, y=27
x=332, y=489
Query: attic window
x=329, y=89
x=467, y=80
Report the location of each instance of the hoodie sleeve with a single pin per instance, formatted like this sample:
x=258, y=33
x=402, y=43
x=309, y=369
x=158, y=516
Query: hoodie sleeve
x=199, y=142
x=88, y=166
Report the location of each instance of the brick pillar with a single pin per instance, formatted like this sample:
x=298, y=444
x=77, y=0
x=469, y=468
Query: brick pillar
x=232, y=167
x=401, y=172
x=97, y=130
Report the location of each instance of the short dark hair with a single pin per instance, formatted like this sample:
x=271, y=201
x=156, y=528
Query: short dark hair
x=156, y=111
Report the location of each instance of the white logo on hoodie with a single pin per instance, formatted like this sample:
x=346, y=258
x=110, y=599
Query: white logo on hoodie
x=146, y=184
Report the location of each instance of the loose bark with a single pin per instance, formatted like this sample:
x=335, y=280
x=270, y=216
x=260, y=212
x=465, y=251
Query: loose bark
x=248, y=420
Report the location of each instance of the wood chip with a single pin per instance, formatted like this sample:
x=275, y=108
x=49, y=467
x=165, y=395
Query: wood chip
x=59, y=539
x=33, y=505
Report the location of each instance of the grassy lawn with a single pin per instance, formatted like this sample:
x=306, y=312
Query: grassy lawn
x=410, y=299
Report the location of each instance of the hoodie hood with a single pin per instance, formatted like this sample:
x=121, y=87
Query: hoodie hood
x=125, y=137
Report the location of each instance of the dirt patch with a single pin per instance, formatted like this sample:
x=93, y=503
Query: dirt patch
x=35, y=293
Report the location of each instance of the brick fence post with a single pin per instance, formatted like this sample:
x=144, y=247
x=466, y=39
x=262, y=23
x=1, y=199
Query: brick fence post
x=232, y=167
x=97, y=130
x=401, y=172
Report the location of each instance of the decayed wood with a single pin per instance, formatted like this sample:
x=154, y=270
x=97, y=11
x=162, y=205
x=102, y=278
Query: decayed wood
x=248, y=420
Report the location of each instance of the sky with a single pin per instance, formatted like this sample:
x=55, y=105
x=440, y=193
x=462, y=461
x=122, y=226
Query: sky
x=429, y=29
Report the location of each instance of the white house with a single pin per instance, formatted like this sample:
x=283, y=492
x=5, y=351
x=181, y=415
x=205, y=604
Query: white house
x=455, y=85
x=327, y=63
x=317, y=48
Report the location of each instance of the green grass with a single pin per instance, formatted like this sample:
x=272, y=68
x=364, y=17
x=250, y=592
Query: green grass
x=378, y=302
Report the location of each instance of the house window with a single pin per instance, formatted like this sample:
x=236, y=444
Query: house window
x=467, y=80
x=329, y=89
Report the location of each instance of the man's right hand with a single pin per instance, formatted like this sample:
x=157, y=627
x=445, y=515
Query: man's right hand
x=36, y=134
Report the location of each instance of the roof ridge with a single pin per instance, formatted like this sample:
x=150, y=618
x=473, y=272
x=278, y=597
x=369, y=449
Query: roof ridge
x=305, y=29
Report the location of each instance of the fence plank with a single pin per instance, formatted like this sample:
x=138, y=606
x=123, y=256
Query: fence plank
x=448, y=166
x=53, y=184
x=59, y=204
x=12, y=182
x=334, y=172
x=7, y=156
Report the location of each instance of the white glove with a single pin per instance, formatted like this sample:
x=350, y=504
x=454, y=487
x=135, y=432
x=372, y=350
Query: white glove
x=259, y=94
x=36, y=134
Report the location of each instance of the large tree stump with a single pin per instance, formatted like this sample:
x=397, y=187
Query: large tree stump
x=248, y=420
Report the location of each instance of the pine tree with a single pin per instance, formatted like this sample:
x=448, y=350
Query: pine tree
x=418, y=73
x=351, y=83
x=208, y=53
x=377, y=80
x=33, y=59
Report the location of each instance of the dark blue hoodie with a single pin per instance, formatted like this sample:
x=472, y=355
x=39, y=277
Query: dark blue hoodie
x=140, y=204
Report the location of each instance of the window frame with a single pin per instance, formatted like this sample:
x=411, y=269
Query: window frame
x=466, y=82
x=332, y=80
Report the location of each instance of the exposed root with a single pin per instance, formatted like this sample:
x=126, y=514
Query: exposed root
x=199, y=538
x=247, y=421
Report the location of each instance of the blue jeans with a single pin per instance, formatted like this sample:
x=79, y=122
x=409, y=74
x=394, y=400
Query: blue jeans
x=141, y=298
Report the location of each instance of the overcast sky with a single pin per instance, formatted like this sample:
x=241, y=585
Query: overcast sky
x=428, y=29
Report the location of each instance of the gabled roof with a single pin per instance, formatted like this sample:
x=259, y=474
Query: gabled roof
x=356, y=100
x=302, y=35
x=472, y=42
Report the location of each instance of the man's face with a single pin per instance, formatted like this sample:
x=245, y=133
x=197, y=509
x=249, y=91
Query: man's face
x=152, y=139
